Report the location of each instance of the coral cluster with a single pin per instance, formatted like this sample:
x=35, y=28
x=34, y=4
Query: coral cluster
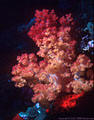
x=58, y=72
x=82, y=81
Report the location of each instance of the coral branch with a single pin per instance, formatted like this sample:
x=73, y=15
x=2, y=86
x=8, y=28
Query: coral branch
x=70, y=101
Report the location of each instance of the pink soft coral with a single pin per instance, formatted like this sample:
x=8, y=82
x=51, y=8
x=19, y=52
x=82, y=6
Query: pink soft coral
x=56, y=73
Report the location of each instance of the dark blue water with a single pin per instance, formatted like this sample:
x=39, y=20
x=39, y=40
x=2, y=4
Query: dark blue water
x=14, y=41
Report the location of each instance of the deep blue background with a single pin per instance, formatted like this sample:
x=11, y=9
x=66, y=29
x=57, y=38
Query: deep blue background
x=13, y=42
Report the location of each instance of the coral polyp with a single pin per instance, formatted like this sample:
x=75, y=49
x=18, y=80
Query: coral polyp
x=61, y=70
